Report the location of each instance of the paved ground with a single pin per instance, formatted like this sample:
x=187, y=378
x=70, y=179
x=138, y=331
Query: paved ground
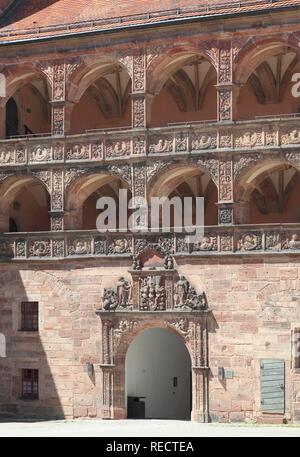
x=143, y=428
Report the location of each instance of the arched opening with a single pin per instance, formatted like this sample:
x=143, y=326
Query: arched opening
x=158, y=372
x=28, y=109
x=271, y=193
x=185, y=91
x=84, y=194
x=12, y=118
x=25, y=205
x=102, y=99
x=188, y=182
x=266, y=89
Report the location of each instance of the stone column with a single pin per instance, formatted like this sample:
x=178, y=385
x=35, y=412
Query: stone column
x=200, y=371
x=227, y=90
x=225, y=188
x=57, y=73
x=57, y=200
x=200, y=394
x=139, y=175
x=107, y=391
x=141, y=100
x=226, y=105
x=107, y=368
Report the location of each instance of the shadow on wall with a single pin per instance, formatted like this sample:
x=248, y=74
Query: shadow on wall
x=48, y=350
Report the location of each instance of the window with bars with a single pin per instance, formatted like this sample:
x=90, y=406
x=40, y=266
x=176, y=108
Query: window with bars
x=297, y=348
x=30, y=316
x=30, y=384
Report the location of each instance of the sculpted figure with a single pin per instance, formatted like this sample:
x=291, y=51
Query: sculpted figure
x=123, y=292
x=181, y=290
x=169, y=263
x=137, y=264
x=110, y=301
x=294, y=243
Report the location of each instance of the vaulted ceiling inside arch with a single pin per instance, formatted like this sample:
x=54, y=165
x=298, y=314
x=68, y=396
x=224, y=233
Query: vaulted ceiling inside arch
x=272, y=191
x=111, y=91
x=189, y=84
x=270, y=79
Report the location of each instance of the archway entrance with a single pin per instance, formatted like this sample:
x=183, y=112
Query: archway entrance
x=155, y=333
x=158, y=376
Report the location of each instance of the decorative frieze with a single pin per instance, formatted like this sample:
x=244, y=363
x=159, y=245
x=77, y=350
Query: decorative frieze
x=203, y=140
x=162, y=142
x=229, y=240
x=79, y=246
x=118, y=148
x=120, y=246
x=40, y=153
x=248, y=139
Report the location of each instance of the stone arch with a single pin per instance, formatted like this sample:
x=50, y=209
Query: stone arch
x=117, y=335
x=33, y=78
x=181, y=80
x=128, y=337
x=265, y=189
x=16, y=76
x=257, y=51
x=249, y=168
x=103, y=83
x=187, y=180
x=164, y=64
x=9, y=189
x=155, y=181
x=82, y=187
x=89, y=71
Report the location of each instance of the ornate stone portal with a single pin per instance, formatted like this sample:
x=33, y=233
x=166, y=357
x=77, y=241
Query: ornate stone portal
x=154, y=297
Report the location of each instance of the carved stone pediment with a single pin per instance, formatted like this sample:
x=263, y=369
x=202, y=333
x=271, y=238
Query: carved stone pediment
x=153, y=289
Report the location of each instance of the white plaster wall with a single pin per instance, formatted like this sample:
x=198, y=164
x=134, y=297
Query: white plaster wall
x=153, y=359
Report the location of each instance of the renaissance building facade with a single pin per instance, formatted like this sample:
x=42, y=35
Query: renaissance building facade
x=163, y=100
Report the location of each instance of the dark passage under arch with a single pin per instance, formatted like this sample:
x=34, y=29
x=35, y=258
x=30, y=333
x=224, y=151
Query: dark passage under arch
x=158, y=373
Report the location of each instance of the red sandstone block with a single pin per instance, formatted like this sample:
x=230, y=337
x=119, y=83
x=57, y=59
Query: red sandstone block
x=222, y=285
x=247, y=273
x=92, y=411
x=223, y=316
x=240, y=286
x=236, y=406
x=237, y=417
x=248, y=405
x=249, y=328
x=80, y=411
x=288, y=273
x=243, y=317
